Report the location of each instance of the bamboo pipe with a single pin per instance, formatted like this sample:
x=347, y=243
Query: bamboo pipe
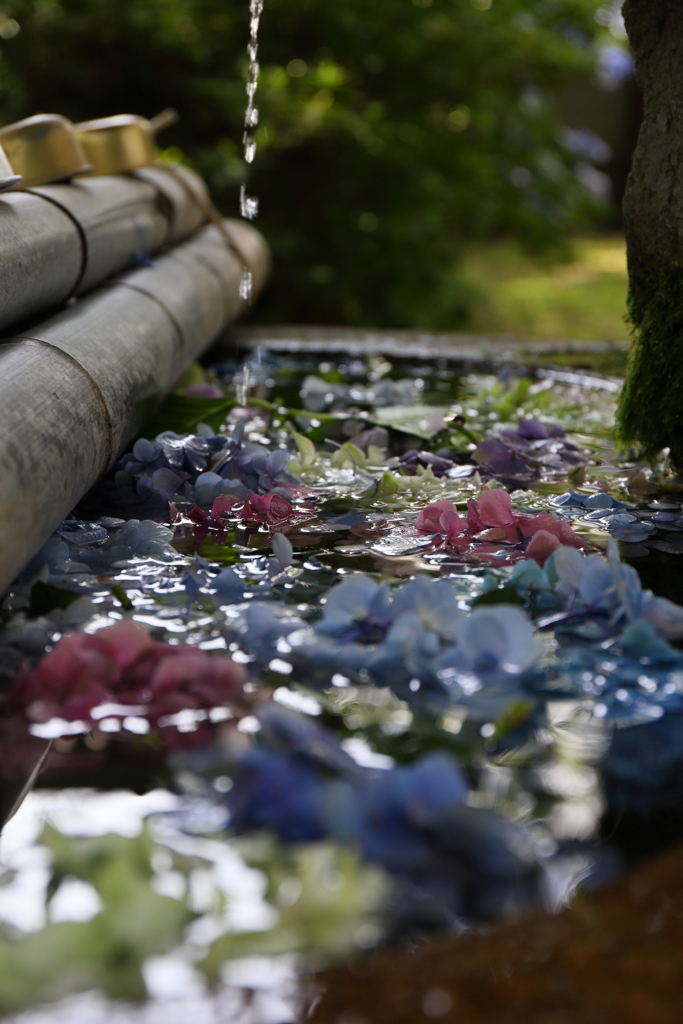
x=180, y=208
x=75, y=389
x=57, y=241
x=118, y=220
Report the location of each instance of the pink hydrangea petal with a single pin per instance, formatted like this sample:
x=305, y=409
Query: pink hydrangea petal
x=78, y=707
x=550, y=524
x=542, y=546
x=175, y=670
x=569, y=538
x=170, y=704
x=452, y=524
x=495, y=508
x=460, y=544
x=476, y=524
x=122, y=664
x=123, y=643
x=42, y=710
x=428, y=520
x=267, y=508
x=212, y=680
x=497, y=533
x=223, y=505
x=279, y=510
x=204, y=390
x=71, y=667
x=545, y=521
x=197, y=515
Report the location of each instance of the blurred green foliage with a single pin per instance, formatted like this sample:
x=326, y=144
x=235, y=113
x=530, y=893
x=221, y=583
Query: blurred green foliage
x=105, y=952
x=392, y=131
x=327, y=899
x=326, y=903
x=583, y=297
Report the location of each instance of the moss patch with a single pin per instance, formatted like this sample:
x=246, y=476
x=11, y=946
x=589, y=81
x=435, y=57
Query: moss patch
x=650, y=410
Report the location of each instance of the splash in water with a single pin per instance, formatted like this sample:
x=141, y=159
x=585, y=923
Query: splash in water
x=242, y=385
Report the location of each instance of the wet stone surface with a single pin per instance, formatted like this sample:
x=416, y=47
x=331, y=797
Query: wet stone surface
x=612, y=956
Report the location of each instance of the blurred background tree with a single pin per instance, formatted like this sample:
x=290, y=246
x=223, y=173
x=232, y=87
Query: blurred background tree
x=393, y=132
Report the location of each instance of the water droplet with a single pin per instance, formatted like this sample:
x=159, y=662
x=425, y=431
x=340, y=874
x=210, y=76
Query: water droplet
x=246, y=285
x=248, y=204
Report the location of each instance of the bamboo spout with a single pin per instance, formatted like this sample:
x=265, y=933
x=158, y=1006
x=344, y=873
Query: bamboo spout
x=75, y=389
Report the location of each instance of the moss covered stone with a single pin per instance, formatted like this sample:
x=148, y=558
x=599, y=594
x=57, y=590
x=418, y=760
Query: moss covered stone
x=650, y=410
x=651, y=405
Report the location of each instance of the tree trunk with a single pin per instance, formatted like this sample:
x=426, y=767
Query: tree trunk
x=651, y=404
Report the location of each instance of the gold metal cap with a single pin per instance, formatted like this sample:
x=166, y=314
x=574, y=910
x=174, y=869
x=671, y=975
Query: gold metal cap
x=125, y=142
x=43, y=149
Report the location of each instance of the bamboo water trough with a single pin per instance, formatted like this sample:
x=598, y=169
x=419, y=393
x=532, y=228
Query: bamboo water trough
x=76, y=388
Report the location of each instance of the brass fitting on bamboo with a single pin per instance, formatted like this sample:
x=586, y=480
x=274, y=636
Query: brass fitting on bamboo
x=126, y=142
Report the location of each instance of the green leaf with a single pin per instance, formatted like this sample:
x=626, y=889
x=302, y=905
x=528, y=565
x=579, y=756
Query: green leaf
x=375, y=456
x=382, y=489
x=306, y=450
x=351, y=455
x=388, y=486
x=327, y=423
x=514, y=716
x=122, y=597
x=514, y=398
x=223, y=554
x=499, y=595
x=182, y=413
x=194, y=374
x=411, y=419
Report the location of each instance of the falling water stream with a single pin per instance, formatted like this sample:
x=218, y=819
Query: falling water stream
x=249, y=204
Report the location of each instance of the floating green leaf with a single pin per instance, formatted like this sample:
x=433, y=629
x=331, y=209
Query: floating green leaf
x=122, y=597
x=423, y=421
x=381, y=490
x=307, y=452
